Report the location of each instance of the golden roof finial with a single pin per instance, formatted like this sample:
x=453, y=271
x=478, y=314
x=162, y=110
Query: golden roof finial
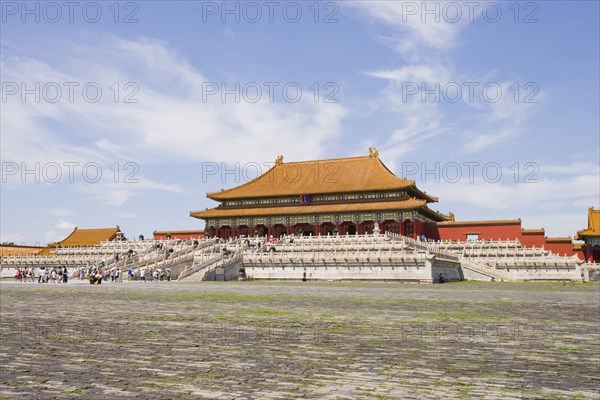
x=450, y=216
x=279, y=160
x=373, y=153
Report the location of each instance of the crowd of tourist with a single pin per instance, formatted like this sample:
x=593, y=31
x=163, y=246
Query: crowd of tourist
x=43, y=275
x=152, y=275
x=95, y=274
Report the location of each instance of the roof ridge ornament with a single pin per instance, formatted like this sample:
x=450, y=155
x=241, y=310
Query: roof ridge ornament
x=279, y=160
x=373, y=153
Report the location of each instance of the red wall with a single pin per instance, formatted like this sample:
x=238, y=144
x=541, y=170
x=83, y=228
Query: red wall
x=530, y=240
x=562, y=248
x=486, y=232
x=496, y=231
x=420, y=228
x=432, y=232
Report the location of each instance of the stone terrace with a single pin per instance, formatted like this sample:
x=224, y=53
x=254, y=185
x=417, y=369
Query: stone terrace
x=315, y=340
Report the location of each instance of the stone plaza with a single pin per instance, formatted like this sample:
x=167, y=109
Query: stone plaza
x=281, y=340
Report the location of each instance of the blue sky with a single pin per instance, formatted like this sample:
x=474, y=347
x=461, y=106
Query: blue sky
x=144, y=150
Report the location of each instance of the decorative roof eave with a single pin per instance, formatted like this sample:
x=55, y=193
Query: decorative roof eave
x=480, y=222
x=593, y=229
x=585, y=233
x=219, y=212
x=429, y=198
x=581, y=235
x=435, y=215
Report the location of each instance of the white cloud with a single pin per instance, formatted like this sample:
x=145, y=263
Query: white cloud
x=501, y=118
x=557, y=204
x=58, y=212
x=116, y=193
x=574, y=168
x=413, y=73
x=51, y=237
x=171, y=123
x=416, y=33
x=428, y=41
x=62, y=224
x=16, y=238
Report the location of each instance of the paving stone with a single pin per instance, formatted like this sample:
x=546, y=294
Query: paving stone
x=313, y=340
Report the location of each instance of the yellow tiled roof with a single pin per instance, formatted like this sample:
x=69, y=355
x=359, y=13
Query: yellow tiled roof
x=10, y=250
x=310, y=209
x=593, y=228
x=341, y=175
x=87, y=237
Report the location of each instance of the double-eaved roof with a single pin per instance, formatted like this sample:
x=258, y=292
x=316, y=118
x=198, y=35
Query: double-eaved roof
x=322, y=177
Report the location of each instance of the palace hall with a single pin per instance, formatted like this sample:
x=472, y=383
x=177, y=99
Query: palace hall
x=354, y=195
x=344, y=195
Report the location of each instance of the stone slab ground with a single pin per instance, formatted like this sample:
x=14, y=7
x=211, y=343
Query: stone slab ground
x=316, y=340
